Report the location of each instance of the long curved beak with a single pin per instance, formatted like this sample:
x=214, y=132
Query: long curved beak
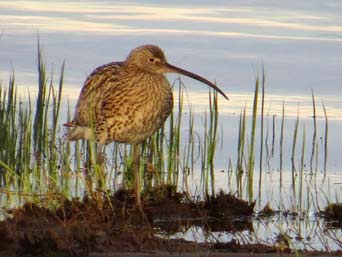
x=171, y=68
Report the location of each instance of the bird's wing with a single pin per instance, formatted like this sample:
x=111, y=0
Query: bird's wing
x=90, y=99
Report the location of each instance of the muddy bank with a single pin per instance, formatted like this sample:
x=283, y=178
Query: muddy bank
x=211, y=254
x=110, y=225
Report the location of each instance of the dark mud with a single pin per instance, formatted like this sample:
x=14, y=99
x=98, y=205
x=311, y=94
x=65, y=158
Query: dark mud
x=104, y=225
x=333, y=215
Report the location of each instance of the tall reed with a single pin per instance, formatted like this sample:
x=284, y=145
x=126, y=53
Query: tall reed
x=241, y=152
x=212, y=137
x=250, y=169
x=301, y=173
x=281, y=146
x=326, y=132
x=262, y=130
x=314, y=135
x=293, y=155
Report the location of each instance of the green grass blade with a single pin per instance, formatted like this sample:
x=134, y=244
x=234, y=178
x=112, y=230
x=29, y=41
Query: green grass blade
x=250, y=170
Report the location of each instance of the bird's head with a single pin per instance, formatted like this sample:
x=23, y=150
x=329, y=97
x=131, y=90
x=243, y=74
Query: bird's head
x=151, y=59
x=148, y=58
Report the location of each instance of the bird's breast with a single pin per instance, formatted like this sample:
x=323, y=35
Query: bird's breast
x=155, y=108
x=142, y=110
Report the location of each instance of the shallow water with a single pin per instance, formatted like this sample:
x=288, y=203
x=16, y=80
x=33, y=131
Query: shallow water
x=308, y=233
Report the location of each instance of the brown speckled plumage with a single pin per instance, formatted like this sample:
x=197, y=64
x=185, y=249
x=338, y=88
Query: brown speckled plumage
x=127, y=101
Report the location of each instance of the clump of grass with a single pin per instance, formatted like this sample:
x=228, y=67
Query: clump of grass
x=28, y=145
x=210, y=145
x=175, y=139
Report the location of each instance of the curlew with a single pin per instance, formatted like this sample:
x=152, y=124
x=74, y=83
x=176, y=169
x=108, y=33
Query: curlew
x=127, y=101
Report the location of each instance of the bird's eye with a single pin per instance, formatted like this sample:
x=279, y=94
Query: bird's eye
x=151, y=59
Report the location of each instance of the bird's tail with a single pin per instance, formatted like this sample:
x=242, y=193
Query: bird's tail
x=76, y=132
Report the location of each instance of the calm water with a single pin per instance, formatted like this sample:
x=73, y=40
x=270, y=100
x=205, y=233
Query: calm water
x=227, y=42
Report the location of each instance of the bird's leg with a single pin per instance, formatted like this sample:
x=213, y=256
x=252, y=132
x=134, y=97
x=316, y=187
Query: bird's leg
x=100, y=154
x=87, y=168
x=100, y=165
x=136, y=172
x=95, y=165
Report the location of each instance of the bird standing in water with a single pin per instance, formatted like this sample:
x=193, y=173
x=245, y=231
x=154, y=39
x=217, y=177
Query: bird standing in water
x=127, y=102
